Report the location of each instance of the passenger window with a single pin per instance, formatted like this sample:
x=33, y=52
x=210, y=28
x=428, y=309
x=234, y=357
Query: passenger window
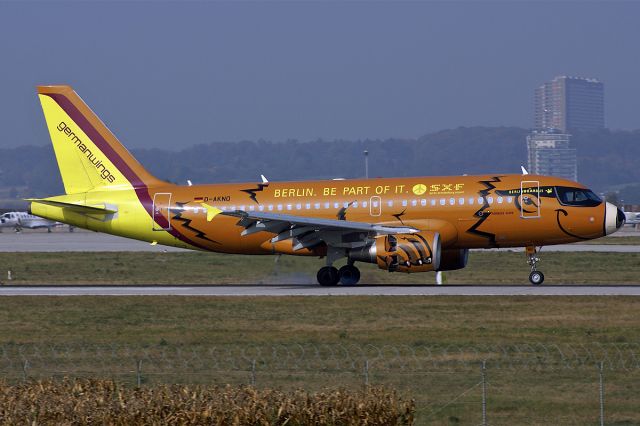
x=355, y=204
x=317, y=206
x=452, y=201
x=345, y=205
x=433, y=202
x=270, y=207
x=480, y=200
x=423, y=202
x=326, y=205
x=461, y=201
x=364, y=204
x=308, y=206
x=509, y=199
x=261, y=208
x=279, y=206
x=251, y=208
x=490, y=200
x=404, y=203
x=298, y=206
x=390, y=203
x=499, y=200
x=471, y=200
x=442, y=201
x=414, y=203
x=288, y=206
x=336, y=205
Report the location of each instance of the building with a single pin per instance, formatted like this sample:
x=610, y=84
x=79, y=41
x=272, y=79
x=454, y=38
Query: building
x=550, y=154
x=568, y=104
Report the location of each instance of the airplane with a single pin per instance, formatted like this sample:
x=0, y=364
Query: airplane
x=416, y=224
x=19, y=220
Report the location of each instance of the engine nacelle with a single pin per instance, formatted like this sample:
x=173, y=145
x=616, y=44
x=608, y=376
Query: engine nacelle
x=452, y=259
x=402, y=252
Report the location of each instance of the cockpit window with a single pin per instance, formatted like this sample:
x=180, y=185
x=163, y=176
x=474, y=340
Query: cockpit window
x=577, y=197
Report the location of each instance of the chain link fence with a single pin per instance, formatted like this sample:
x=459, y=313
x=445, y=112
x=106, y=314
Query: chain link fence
x=477, y=384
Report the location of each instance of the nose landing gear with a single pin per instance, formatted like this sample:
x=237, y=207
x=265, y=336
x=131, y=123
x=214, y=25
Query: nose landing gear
x=535, y=277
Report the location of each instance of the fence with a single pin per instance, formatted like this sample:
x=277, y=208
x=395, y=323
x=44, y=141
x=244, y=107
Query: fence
x=481, y=384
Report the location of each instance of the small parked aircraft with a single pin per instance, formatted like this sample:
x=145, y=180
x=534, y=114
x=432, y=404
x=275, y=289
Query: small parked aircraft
x=20, y=220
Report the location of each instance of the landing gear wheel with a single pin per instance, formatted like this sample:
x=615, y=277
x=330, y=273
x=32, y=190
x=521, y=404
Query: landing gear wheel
x=536, y=277
x=328, y=276
x=349, y=275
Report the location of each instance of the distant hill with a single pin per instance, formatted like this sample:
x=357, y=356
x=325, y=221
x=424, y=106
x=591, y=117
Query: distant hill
x=606, y=159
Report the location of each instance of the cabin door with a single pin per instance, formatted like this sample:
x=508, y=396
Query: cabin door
x=529, y=199
x=162, y=211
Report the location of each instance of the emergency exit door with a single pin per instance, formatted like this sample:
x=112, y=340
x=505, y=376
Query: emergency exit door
x=375, y=206
x=529, y=199
x=161, y=211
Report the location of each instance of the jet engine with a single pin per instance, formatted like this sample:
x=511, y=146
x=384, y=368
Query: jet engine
x=452, y=259
x=418, y=252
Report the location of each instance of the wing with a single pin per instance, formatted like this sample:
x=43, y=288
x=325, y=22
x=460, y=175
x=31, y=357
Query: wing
x=308, y=232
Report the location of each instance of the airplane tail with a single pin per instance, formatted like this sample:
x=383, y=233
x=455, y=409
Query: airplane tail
x=89, y=156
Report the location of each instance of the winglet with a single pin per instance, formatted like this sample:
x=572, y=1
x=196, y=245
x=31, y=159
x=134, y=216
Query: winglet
x=264, y=180
x=211, y=211
x=524, y=171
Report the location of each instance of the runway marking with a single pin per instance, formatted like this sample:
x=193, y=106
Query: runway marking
x=312, y=290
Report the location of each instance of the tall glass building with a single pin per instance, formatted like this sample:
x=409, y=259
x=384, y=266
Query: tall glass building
x=568, y=104
x=550, y=154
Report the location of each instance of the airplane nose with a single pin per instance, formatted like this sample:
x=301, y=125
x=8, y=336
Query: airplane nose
x=614, y=218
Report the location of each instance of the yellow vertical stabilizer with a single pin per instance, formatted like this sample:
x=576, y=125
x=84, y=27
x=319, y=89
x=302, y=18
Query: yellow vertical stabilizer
x=89, y=155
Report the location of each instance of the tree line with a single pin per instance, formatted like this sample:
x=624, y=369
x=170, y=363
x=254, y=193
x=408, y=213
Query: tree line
x=607, y=160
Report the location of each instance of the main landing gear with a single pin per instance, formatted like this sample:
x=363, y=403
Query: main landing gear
x=535, y=277
x=330, y=275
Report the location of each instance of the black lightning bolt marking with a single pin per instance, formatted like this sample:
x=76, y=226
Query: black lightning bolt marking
x=489, y=186
x=186, y=223
x=342, y=213
x=399, y=215
x=564, y=212
x=252, y=191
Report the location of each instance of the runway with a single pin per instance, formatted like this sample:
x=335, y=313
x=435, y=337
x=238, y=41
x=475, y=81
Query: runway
x=314, y=290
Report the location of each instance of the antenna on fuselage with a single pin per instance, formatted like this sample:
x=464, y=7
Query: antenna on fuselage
x=524, y=171
x=189, y=182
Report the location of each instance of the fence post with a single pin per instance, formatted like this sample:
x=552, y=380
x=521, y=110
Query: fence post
x=139, y=372
x=601, y=372
x=253, y=373
x=25, y=366
x=366, y=373
x=484, y=393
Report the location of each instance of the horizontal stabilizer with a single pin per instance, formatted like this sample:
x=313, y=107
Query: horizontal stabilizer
x=78, y=208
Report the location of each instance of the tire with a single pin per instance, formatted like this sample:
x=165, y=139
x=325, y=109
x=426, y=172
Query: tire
x=328, y=276
x=536, y=278
x=349, y=275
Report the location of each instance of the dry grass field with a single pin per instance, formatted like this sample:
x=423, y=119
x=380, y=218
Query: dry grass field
x=107, y=402
x=443, y=396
